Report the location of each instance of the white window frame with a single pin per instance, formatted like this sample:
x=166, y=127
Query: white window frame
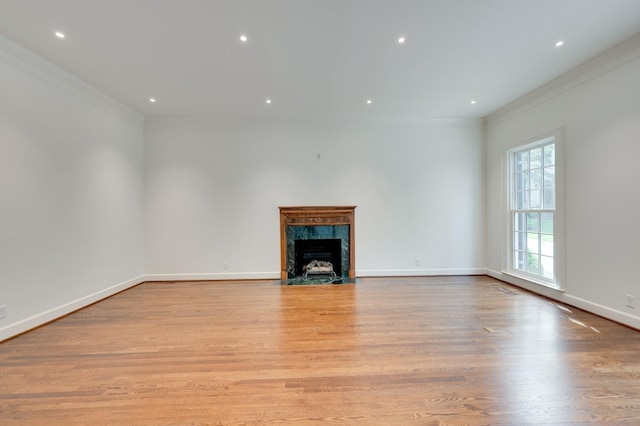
x=557, y=136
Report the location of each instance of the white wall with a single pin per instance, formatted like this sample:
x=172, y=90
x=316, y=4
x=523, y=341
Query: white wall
x=71, y=193
x=599, y=107
x=213, y=191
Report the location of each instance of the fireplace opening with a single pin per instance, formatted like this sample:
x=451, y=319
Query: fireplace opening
x=314, y=257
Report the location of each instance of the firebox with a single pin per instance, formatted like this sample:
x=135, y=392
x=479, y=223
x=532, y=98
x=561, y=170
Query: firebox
x=321, y=250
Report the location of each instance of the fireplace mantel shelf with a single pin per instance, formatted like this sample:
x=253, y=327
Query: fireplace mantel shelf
x=316, y=216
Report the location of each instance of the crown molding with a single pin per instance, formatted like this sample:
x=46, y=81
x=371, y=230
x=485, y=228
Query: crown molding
x=607, y=61
x=24, y=59
x=271, y=123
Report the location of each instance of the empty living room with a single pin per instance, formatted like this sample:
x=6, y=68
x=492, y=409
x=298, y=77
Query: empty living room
x=372, y=212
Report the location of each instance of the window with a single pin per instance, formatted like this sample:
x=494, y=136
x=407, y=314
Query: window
x=533, y=213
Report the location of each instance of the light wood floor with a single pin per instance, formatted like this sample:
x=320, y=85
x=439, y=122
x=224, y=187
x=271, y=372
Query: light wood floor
x=388, y=351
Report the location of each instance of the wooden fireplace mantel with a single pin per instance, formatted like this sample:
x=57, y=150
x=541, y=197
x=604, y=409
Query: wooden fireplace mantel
x=316, y=215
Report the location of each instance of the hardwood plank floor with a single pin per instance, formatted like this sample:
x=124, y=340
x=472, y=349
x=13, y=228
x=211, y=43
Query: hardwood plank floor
x=423, y=350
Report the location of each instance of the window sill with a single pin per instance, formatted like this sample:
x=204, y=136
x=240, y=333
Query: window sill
x=533, y=280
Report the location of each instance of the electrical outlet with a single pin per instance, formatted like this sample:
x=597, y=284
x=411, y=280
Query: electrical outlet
x=418, y=261
x=631, y=301
x=225, y=266
x=3, y=311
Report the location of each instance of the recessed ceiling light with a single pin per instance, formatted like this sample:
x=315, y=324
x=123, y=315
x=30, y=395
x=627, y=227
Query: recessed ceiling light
x=59, y=34
x=401, y=40
x=152, y=100
x=559, y=43
x=243, y=38
x=268, y=101
x=473, y=102
x=369, y=101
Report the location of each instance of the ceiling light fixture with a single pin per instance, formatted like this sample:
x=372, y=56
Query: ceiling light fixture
x=268, y=101
x=559, y=43
x=59, y=34
x=473, y=102
x=369, y=101
x=243, y=38
x=401, y=40
x=152, y=100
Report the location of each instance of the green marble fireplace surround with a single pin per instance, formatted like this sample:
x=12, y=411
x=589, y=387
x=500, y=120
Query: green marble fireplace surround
x=318, y=232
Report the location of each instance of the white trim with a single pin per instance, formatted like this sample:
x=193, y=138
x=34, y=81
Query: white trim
x=561, y=296
x=213, y=276
x=613, y=58
x=533, y=279
x=550, y=292
x=418, y=272
x=421, y=123
x=559, y=217
x=283, y=123
x=24, y=59
x=604, y=311
x=42, y=318
x=276, y=275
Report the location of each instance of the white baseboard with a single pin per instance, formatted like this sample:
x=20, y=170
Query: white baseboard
x=418, y=272
x=213, y=276
x=276, y=275
x=37, y=320
x=561, y=296
x=604, y=311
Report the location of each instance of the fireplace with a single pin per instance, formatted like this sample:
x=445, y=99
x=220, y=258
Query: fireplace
x=319, y=235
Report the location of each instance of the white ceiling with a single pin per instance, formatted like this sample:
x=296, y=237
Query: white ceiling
x=318, y=59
